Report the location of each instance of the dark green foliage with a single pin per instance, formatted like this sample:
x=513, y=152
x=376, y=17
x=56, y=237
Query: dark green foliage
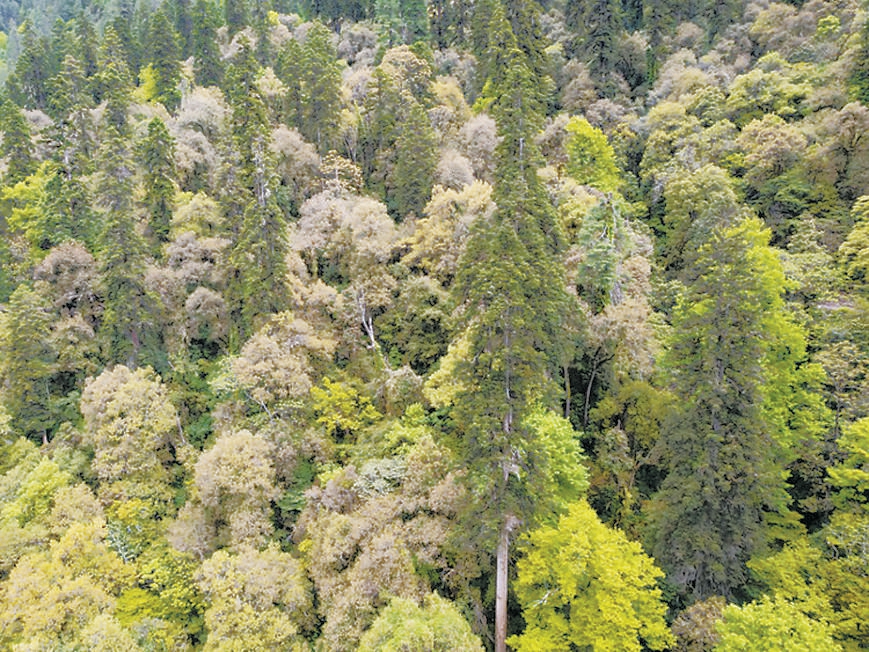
x=409, y=185
x=130, y=310
x=65, y=209
x=859, y=77
x=404, y=21
x=157, y=152
x=26, y=363
x=236, y=15
x=514, y=304
x=711, y=514
x=599, y=27
x=182, y=20
x=28, y=84
x=415, y=332
x=312, y=76
x=17, y=148
x=206, y=56
x=115, y=81
x=258, y=279
x=450, y=21
x=162, y=55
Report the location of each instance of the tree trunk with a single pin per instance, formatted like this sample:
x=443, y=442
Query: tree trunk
x=501, y=574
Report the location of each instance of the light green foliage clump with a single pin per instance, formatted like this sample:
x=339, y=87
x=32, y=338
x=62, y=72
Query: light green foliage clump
x=584, y=585
x=436, y=626
x=772, y=625
x=343, y=409
x=590, y=158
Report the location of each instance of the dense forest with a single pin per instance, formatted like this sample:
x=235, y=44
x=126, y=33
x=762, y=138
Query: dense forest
x=434, y=325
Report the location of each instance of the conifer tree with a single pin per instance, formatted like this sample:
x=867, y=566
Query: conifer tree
x=66, y=204
x=129, y=309
x=26, y=363
x=206, y=57
x=859, y=77
x=415, y=161
x=599, y=25
x=28, y=83
x=115, y=81
x=157, y=157
x=163, y=55
x=126, y=33
x=84, y=47
x=311, y=74
x=257, y=258
x=321, y=89
x=237, y=15
x=450, y=22
x=66, y=208
x=17, y=147
x=514, y=302
x=69, y=95
x=182, y=21
x=724, y=483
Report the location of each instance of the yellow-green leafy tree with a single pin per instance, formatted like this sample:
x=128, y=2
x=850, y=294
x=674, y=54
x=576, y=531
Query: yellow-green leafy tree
x=257, y=600
x=583, y=585
x=436, y=626
x=771, y=625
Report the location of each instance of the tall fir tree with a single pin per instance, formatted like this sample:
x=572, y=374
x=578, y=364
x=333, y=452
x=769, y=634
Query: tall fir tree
x=71, y=104
x=26, y=363
x=128, y=323
x=599, y=28
x=321, y=89
x=182, y=20
x=514, y=306
x=450, y=22
x=66, y=207
x=163, y=58
x=257, y=284
x=85, y=45
x=236, y=14
x=17, y=148
x=858, y=80
x=27, y=85
x=409, y=186
x=311, y=73
x=725, y=482
x=157, y=155
x=206, y=56
x=125, y=26
x=115, y=81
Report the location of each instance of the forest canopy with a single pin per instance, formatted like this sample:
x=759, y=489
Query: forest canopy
x=434, y=325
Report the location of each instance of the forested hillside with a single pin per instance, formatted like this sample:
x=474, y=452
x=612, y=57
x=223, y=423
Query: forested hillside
x=446, y=325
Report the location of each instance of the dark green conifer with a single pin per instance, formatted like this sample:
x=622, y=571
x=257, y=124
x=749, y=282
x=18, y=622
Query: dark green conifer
x=17, y=147
x=206, y=57
x=257, y=285
x=129, y=309
x=515, y=304
x=182, y=20
x=858, y=80
x=28, y=83
x=163, y=57
x=713, y=510
x=115, y=81
x=410, y=184
x=158, y=160
x=27, y=363
x=237, y=15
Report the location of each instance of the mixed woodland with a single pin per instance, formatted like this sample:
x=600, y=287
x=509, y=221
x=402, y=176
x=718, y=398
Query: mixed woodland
x=434, y=325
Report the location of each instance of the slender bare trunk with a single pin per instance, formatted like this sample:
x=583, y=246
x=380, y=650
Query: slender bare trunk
x=501, y=576
x=501, y=591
